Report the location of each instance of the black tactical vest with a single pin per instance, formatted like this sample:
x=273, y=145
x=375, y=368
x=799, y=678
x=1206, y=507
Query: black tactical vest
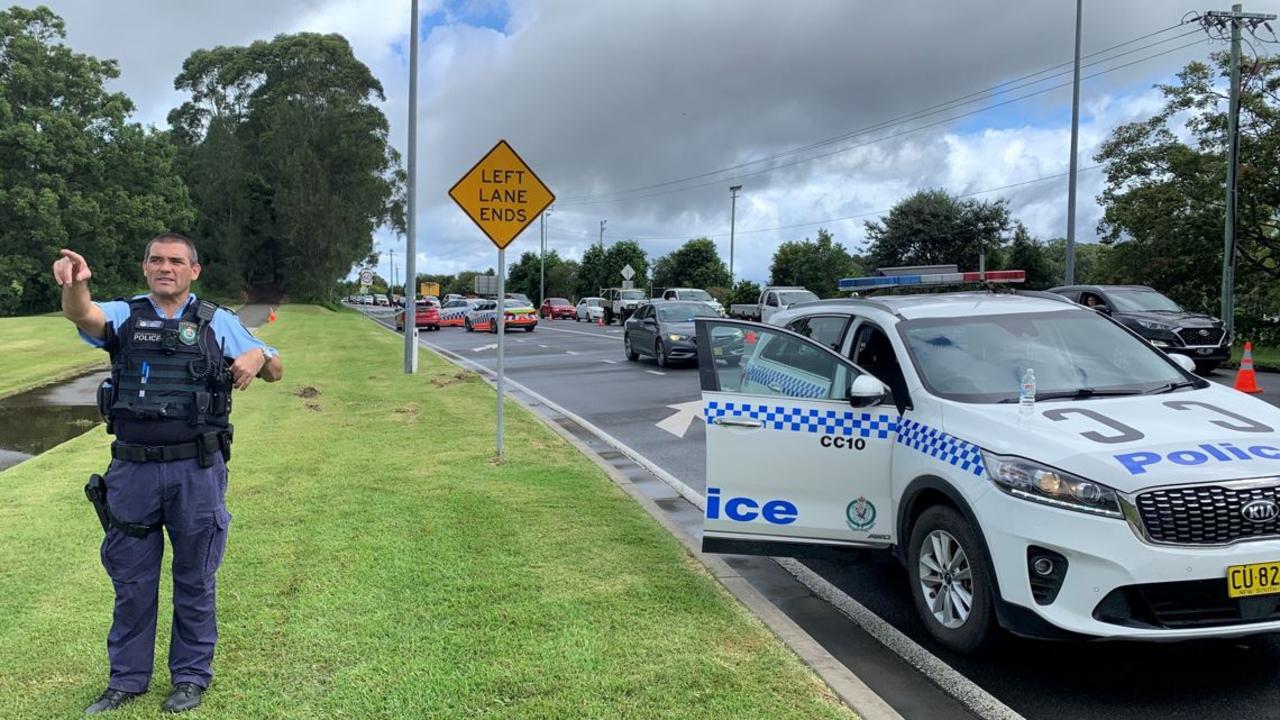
x=168, y=382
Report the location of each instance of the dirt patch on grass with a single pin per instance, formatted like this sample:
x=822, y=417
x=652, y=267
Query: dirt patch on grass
x=313, y=407
x=460, y=376
x=306, y=391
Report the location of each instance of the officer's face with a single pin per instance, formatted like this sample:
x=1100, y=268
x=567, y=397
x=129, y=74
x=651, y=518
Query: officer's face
x=169, y=269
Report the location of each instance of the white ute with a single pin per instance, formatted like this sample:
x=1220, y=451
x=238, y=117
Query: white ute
x=1116, y=496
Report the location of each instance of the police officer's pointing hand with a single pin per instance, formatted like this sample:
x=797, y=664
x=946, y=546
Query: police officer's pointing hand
x=70, y=268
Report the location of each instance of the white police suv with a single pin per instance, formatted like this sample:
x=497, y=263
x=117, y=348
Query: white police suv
x=1117, y=495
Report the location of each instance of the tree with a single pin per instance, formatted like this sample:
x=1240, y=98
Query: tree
x=73, y=172
x=934, y=228
x=288, y=159
x=620, y=255
x=562, y=280
x=1163, y=206
x=1090, y=259
x=694, y=264
x=817, y=265
x=1029, y=254
x=525, y=276
x=744, y=291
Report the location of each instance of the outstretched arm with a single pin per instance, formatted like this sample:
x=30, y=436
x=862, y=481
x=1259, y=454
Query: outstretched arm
x=72, y=274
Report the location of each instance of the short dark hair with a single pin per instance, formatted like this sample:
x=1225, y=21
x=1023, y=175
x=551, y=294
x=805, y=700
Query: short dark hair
x=172, y=237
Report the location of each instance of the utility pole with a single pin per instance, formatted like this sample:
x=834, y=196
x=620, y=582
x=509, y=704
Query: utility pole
x=542, y=272
x=1236, y=18
x=411, y=246
x=733, y=216
x=1075, y=138
x=602, y=224
x=392, y=254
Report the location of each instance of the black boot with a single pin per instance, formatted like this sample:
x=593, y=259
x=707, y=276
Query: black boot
x=110, y=700
x=184, y=696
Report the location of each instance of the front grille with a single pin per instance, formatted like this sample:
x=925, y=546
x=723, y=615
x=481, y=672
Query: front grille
x=1204, y=514
x=1201, y=336
x=1185, y=604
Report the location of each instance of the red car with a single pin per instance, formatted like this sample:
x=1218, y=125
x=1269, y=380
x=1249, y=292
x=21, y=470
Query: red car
x=556, y=308
x=427, y=316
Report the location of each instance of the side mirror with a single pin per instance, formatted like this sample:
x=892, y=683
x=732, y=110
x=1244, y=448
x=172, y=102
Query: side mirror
x=649, y=321
x=866, y=391
x=1184, y=362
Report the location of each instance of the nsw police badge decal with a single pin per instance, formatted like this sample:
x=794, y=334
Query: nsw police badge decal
x=187, y=333
x=860, y=514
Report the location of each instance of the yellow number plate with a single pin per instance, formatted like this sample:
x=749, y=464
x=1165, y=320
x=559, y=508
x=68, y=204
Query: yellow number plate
x=1255, y=579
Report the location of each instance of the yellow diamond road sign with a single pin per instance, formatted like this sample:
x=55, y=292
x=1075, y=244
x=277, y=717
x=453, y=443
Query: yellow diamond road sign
x=501, y=194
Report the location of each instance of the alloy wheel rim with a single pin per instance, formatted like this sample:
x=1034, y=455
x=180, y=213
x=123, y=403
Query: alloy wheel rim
x=946, y=579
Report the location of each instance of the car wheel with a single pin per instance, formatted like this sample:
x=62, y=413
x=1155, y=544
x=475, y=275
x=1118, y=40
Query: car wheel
x=950, y=581
x=632, y=355
x=1204, y=367
x=530, y=328
x=467, y=325
x=660, y=354
x=577, y=317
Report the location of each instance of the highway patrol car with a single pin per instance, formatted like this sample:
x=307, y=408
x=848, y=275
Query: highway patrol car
x=1120, y=496
x=453, y=313
x=517, y=314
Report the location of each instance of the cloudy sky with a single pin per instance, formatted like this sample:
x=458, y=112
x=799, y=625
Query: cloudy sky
x=644, y=113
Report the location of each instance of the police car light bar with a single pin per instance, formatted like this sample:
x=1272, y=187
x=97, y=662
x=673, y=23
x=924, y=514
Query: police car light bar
x=991, y=276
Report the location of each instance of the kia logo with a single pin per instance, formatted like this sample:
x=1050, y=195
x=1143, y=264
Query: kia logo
x=1260, y=511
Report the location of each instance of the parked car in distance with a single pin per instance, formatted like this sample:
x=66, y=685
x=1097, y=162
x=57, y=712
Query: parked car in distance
x=1159, y=320
x=693, y=294
x=556, y=307
x=382, y=300
x=427, y=316
x=663, y=330
x=590, y=309
x=772, y=299
x=619, y=303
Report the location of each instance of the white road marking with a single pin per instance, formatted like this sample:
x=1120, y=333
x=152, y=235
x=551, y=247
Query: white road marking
x=611, y=362
x=597, y=336
x=655, y=372
x=570, y=352
x=973, y=696
x=679, y=423
x=484, y=347
x=542, y=346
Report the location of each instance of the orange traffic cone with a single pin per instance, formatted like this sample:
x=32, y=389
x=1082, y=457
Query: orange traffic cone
x=600, y=321
x=1246, y=381
x=271, y=315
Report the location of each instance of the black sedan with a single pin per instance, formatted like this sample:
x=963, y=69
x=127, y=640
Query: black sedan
x=664, y=329
x=1160, y=320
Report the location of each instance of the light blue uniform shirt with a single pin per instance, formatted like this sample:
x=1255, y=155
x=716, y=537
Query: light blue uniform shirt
x=227, y=328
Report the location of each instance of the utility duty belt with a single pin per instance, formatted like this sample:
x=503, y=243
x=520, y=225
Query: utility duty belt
x=203, y=448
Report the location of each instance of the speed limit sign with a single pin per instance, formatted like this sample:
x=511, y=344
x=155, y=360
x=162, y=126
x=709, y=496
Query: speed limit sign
x=366, y=278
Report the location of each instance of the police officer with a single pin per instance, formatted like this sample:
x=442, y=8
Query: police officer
x=174, y=361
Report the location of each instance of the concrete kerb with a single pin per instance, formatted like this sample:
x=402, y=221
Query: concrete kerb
x=847, y=686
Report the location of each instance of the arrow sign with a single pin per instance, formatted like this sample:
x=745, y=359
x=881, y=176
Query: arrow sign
x=484, y=347
x=678, y=424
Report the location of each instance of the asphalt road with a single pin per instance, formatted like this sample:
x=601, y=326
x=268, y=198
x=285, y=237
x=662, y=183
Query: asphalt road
x=582, y=368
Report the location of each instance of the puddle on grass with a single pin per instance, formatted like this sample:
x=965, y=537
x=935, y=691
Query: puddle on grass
x=35, y=421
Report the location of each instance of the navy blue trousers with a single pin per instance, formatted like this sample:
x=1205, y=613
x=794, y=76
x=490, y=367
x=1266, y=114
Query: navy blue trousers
x=191, y=501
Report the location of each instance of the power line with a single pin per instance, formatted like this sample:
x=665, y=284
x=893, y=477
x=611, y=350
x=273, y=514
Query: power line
x=858, y=216
x=902, y=133
x=917, y=114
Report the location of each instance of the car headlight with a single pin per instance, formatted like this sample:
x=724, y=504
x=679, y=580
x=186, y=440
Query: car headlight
x=1153, y=325
x=1032, y=481
x=677, y=337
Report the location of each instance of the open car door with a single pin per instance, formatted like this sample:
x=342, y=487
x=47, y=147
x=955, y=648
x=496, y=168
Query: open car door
x=799, y=444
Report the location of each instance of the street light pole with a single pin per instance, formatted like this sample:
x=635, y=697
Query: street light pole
x=602, y=224
x=1070, y=273
x=733, y=215
x=542, y=272
x=411, y=252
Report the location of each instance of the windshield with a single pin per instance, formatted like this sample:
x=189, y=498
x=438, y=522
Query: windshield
x=790, y=297
x=632, y=295
x=592, y=302
x=558, y=301
x=684, y=313
x=1141, y=301
x=515, y=304
x=983, y=359
x=700, y=295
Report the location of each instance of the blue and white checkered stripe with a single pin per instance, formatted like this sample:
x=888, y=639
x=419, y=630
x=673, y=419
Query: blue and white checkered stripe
x=791, y=385
x=453, y=314
x=937, y=444
x=813, y=420
x=915, y=435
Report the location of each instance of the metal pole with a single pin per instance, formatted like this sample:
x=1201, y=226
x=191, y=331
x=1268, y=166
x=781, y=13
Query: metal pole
x=542, y=271
x=602, y=224
x=733, y=216
x=500, y=317
x=411, y=251
x=1070, y=278
x=1229, y=232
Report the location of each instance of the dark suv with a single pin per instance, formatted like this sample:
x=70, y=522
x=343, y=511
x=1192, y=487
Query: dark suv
x=1159, y=320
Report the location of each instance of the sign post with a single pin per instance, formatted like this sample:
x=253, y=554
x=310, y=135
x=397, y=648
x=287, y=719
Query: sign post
x=502, y=196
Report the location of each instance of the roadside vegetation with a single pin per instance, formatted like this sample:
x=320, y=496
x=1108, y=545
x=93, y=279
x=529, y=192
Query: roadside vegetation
x=381, y=565
x=39, y=350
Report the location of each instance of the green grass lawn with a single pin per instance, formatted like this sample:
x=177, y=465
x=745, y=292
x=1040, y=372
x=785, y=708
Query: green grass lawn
x=381, y=565
x=41, y=349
